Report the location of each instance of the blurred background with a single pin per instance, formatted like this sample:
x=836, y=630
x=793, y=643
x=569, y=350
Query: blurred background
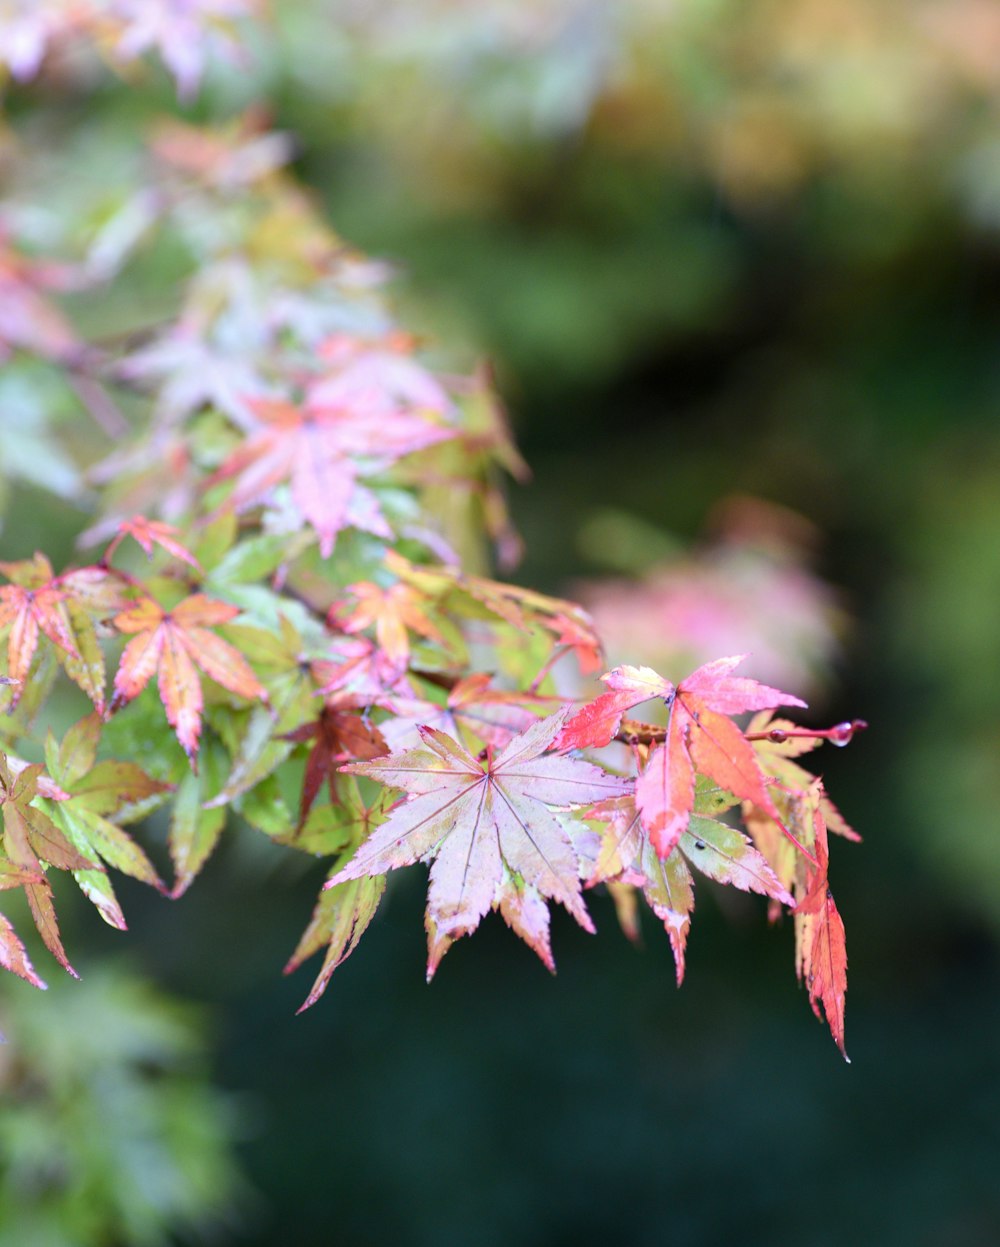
x=737, y=270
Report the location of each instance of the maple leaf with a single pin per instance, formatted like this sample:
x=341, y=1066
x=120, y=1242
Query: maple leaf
x=392, y=612
x=174, y=643
x=94, y=799
x=62, y=609
x=820, y=946
x=340, y=735
x=30, y=838
x=363, y=671
x=454, y=591
x=362, y=369
x=343, y=911
x=258, y=741
x=576, y=632
x=321, y=452
x=192, y=370
x=488, y=828
x=717, y=850
x=475, y=712
x=149, y=533
x=699, y=736
x=456, y=595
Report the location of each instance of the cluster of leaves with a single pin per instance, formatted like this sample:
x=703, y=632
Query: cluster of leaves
x=309, y=496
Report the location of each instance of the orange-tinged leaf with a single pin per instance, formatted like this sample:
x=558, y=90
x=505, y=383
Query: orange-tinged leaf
x=39, y=895
x=13, y=956
x=174, y=644
x=822, y=964
x=43, y=912
x=820, y=944
x=66, y=610
x=596, y=724
x=393, y=612
x=12, y=876
x=29, y=834
x=28, y=610
x=149, y=533
x=23, y=638
x=139, y=661
x=47, y=841
x=575, y=632
x=222, y=663
x=180, y=692
x=719, y=749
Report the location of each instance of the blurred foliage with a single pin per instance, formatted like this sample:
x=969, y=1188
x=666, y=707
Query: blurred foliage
x=749, y=587
x=583, y=177
x=110, y=1131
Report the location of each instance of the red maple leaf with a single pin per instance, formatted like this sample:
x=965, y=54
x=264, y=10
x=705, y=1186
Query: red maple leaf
x=700, y=737
x=488, y=828
x=340, y=734
x=820, y=946
x=150, y=532
x=174, y=644
x=321, y=452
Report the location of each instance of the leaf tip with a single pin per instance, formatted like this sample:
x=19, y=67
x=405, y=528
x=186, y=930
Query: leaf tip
x=181, y=885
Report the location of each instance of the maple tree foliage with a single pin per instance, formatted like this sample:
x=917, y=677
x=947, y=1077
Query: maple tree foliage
x=278, y=535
